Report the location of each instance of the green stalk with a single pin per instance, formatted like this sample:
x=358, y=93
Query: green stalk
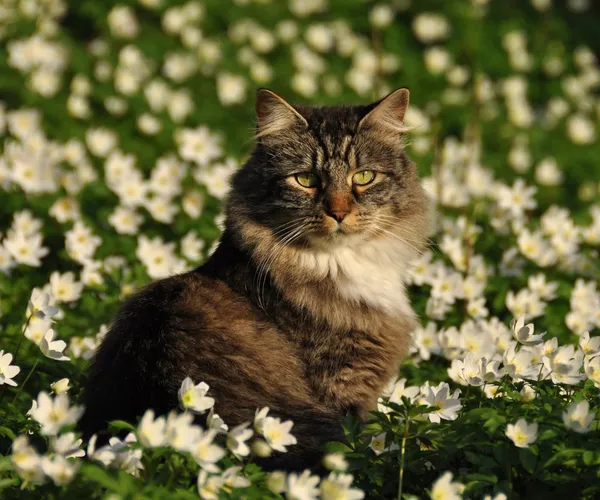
x=402, y=455
x=17, y=351
x=26, y=379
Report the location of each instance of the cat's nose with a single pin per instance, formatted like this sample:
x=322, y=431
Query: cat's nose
x=338, y=215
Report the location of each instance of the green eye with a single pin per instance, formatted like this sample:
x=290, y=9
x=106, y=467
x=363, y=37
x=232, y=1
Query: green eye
x=363, y=178
x=306, y=179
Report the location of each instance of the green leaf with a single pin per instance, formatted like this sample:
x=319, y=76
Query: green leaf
x=5, y=464
x=528, y=459
x=5, y=431
x=351, y=427
x=5, y=483
x=337, y=447
x=488, y=478
x=118, y=425
x=99, y=475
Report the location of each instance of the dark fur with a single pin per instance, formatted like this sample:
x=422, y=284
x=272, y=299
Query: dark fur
x=244, y=332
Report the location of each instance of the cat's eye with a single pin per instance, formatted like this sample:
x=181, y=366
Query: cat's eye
x=306, y=179
x=363, y=178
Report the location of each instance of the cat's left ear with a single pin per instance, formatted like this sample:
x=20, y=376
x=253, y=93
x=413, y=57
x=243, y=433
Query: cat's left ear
x=275, y=116
x=389, y=112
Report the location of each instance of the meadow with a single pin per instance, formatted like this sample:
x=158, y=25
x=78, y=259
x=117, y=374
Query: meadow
x=120, y=124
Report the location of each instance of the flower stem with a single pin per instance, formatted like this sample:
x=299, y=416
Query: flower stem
x=402, y=454
x=26, y=379
x=17, y=350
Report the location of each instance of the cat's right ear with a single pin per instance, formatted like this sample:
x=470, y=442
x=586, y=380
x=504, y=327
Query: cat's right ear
x=275, y=116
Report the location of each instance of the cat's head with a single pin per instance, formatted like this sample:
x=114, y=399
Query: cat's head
x=330, y=176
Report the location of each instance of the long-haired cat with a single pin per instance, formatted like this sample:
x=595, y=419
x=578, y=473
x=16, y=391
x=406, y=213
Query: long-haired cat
x=302, y=307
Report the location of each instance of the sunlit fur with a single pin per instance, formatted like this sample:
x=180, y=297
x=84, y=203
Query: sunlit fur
x=295, y=310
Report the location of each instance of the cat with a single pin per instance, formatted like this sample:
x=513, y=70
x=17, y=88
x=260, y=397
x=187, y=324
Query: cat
x=302, y=306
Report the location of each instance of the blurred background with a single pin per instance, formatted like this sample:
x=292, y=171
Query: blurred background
x=523, y=74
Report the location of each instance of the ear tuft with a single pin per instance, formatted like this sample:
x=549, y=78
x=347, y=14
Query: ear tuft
x=275, y=115
x=389, y=112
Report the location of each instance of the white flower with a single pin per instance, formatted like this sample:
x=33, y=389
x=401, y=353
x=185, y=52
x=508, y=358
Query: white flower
x=193, y=397
x=429, y=27
x=381, y=16
x=232, y=478
x=236, y=440
x=26, y=249
x=444, y=405
x=580, y=129
x=199, y=145
x=578, y=417
x=445, y=489
x=519, y=364
x=60, y=386
x=101, y=141
x=213, y=421
x=474, y=371
x=67, y=446
x=151, y=432
x=589, y=346
x=125, y=220
x=276, y=481
x=122, y=22
x=209, y=486
x=425, y=340
x=592, y=369
x=524, y=333
x=437, y=60
x=117, y=453
x=516, y=200
x=216, y=179
x=338, y=487
x=565, y=365
x=26, y=461
x=302, y=487
x=64, y=287
x=377, y=444
x=54, y=414
x=180, y=432
x=335, y=462
x=399, y=390
x=206, y=453
x=191, y=247
x=277, y=433
x=7, y=371
x=39, y=306
x=522, y=433
x=51, y=348
x=231, y=89
x=59, y=469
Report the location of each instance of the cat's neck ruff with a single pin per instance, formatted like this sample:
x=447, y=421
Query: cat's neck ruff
x=368, y=271
x=335, y=280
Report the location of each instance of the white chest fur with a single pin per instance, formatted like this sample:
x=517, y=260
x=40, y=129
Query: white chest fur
x=371, y=272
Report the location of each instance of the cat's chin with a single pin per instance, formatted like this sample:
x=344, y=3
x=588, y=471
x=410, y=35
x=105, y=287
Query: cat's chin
x=336, y=239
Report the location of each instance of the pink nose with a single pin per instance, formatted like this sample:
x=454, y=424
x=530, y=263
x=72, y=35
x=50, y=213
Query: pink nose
x=338, y=215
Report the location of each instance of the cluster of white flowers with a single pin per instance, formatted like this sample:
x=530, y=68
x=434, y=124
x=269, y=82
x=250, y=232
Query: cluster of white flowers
x=59, y=464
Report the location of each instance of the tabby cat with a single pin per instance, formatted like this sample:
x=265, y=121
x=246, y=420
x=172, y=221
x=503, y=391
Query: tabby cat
x=302, y=307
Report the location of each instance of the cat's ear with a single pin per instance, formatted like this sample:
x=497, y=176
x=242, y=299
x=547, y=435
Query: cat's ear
x=275, y=116
x=389, y=112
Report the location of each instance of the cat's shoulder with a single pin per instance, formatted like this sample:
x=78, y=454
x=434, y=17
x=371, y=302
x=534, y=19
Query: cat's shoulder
x=190, y=295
